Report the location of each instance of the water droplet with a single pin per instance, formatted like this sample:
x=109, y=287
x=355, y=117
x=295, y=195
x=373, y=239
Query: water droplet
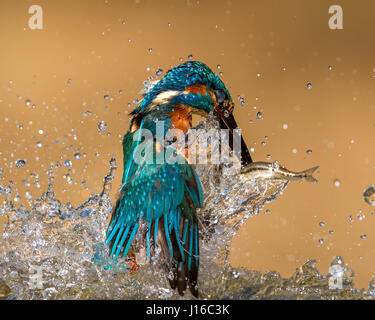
x=106, y=97
x=259, y=115
x=241, y=100
x=159, y=72
x=361, y=216
x=136, y=101
x=258, y=74
x=363, y=236
x=218, y=66
x=77, y=156
x=369, y=195
x=275, y=165
x=38, y=144
x=285, y=126
x=371, y=286
x=87, y=113
x=69, y=82
x=102, y=126
x=40, y=131
x=20, y=163
x=149, y=49
x=268, y=211
x=190, y=56
x=321, y=224
x=68, y=178
x=67, y=163
x=321, y=241
x=309, y=86
x=350, y=219
x=337, y=261
x=336, y=182
x=112, y=163
x=330, y=68
x=337, y=267
x=309, y=151
x=28, y=102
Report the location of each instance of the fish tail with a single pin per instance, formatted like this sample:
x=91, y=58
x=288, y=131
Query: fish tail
x=308, y=174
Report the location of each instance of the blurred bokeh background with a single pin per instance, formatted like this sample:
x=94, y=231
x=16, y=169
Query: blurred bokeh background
x=314, y=86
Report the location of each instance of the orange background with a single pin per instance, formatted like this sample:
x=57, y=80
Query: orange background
x=287, y=42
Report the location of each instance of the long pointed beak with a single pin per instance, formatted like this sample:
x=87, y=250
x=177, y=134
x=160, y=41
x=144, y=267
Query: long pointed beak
x=228, y=122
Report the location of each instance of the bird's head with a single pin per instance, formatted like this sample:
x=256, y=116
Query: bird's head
x=195, y=88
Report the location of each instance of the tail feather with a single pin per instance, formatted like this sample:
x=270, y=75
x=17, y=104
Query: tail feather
x=123, y=238
x=193, y=280
x=119, y=234
x=181, y=277
x=193, y=269
x=177, y=237
x=183, y=267
x=308, y=175
x=130, y=240
x=119, y=238
x=113, y=222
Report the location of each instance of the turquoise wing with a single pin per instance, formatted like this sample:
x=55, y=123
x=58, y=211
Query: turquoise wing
x=165, y=198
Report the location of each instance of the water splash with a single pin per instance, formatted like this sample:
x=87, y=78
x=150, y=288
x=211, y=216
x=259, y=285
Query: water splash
x=56, y=251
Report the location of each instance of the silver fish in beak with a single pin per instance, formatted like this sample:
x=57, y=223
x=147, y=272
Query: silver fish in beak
x=272, y=170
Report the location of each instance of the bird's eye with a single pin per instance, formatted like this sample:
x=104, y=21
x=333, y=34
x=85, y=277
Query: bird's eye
x=220, y=96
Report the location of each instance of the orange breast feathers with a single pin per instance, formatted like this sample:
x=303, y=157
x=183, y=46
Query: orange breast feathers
x=181, y=118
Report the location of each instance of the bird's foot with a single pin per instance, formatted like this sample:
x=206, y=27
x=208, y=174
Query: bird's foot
x=133, y=266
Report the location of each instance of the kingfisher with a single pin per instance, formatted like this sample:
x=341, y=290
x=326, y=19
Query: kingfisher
x=157, y=207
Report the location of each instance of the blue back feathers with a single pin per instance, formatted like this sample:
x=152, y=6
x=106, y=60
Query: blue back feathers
x=187, y=74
